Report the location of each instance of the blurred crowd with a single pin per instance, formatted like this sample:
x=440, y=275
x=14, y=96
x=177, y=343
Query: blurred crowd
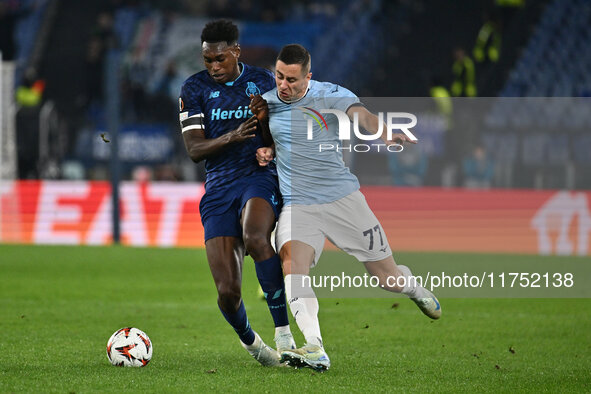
x=84, y=115
x=474, y=71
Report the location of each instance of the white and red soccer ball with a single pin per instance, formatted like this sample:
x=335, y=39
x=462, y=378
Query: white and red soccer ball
x=129, y=347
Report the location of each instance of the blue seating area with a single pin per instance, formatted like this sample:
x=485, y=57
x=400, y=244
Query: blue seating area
x=557, y=59
x=336, y=44
x=542, y=118
x=125, y=23
x=540, y=112
x=26, y=32
x=552, y=72
x=337, y=53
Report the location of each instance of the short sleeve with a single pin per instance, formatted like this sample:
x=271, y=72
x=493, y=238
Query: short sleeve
x=190, y=111
x=340, y=98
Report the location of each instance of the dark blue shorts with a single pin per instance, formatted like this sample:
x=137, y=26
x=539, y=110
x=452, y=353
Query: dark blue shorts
x=221, y=209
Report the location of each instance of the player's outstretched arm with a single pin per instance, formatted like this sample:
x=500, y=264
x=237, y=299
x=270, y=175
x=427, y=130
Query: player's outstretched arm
x=200, y=148
x=370, y=122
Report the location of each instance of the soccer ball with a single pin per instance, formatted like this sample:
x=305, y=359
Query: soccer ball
x=129, y=347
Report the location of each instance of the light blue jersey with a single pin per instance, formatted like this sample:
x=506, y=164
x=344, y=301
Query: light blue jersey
x=308, y=175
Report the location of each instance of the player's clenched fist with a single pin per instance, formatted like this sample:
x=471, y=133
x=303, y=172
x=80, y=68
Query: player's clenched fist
x=264, y=156
x=258, y=106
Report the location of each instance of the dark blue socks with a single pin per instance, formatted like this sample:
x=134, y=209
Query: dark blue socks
x=270, y=277
x=240, y=323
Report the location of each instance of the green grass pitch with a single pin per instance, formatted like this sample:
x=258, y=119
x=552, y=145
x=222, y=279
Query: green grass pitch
x=59, y=305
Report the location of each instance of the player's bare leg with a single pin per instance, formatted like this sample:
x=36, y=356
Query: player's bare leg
x=225, y=256
x=297, y=257
x=258, y=221
x=389, y=275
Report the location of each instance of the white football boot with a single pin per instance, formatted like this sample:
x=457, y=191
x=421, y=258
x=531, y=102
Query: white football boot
x=429, y=305
x=265, y=355
x=308, y=356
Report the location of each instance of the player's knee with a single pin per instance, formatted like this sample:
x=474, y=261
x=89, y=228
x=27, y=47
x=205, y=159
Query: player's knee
x=229, y=297
x=256, y=243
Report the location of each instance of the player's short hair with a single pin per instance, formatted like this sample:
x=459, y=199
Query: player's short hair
x=296, y=54
x=220, y=30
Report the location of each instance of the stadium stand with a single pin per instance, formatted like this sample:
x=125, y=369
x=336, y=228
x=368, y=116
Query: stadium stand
x=373, y=47
x=29, y=15
x=549, y=126
x=357, y=31
x=555, y=62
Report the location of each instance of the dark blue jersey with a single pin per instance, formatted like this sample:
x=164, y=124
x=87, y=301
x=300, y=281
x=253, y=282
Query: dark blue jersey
x=219, y=108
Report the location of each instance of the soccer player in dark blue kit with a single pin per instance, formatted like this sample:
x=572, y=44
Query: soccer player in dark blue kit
x=242, y=200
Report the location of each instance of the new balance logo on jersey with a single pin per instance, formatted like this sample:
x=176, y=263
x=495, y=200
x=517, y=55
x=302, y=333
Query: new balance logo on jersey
x=215, y=94
x=241, y=112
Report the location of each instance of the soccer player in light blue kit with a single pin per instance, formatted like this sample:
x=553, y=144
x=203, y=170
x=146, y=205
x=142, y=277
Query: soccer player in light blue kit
x=321, y=196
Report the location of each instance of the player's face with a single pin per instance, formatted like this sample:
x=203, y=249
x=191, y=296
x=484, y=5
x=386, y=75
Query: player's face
x=221, y=61
x=291, y=80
